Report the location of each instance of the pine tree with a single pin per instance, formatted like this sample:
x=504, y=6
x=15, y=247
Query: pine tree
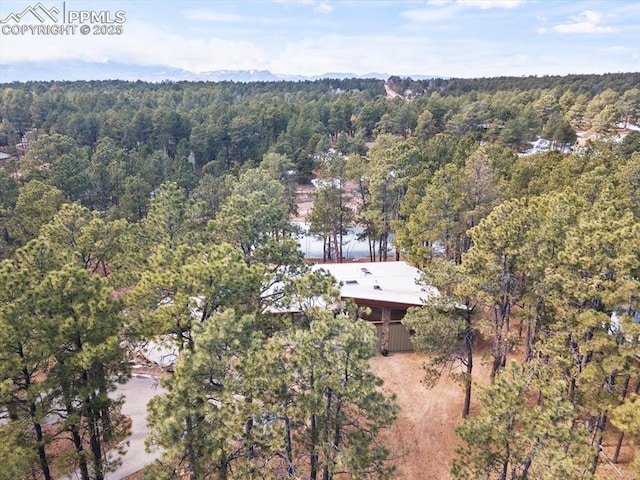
x=524, y=430
x=444, y=329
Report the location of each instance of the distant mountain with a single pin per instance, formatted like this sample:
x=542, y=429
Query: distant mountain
x=80, y=70
x=231, y=76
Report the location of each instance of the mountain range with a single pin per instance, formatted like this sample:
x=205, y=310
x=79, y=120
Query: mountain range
x=81, y=70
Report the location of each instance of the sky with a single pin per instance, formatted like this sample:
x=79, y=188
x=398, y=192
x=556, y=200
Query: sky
x=443, y=38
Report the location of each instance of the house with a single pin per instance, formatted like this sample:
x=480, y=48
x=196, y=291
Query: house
x=387, y=289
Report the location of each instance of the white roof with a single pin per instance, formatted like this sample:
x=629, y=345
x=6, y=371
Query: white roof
x=394, y=282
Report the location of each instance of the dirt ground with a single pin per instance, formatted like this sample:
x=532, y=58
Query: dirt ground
x=423, y=436
x=304, y=199
x=304, y=202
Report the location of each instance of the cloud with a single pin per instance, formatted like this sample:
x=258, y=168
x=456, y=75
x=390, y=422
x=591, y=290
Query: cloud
x=486, y=4
x=313, y=50
x=394, y=54
x=304, y=2
x=482, y=4
x=319, y=6
x=141, y=44
x=210, y=16
x=323, y=7
x=586, y=22
x=617, y=50
x=203, y=15
x=426, y=15
x=441, y=9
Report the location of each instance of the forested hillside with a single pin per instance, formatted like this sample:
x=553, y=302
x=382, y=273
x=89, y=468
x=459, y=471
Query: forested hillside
x=133, y=212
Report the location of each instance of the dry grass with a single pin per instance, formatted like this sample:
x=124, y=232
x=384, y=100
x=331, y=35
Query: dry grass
x=423, y=437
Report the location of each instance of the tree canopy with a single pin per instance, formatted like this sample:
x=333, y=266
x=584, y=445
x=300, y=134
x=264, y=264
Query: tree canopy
x=134, y=212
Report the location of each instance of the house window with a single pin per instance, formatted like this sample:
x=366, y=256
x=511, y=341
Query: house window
x=374, y=316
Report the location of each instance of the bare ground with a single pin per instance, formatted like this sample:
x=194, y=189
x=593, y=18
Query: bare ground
x=423, y=437
x=304, y=199
x=304, y=202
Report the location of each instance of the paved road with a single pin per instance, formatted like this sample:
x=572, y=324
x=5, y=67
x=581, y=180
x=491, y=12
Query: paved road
x=137, y=391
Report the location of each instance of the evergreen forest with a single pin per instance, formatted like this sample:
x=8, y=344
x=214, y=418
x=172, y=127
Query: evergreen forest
x=134, y=212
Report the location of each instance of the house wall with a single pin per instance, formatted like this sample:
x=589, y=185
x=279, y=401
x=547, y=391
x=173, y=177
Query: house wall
x=399, y=338
x=392, y=335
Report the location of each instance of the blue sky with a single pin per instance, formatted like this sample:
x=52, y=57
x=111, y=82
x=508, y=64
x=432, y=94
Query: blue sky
x=449, y=38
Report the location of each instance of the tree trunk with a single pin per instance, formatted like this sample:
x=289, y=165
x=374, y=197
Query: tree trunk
x=340, y=225
x=618, y=447
x=337, y=247
x=338, y=430
x=313, y=471
x=598, y=435
x=96, y=447
x=324, y=248
x=501, y=316
x=70, y=410
x=525, y=470
x=42, y=453
x=291, y=471
x=532, y=332
x=223, y=471
x=77, y=442
x=386, y=327
x=373, y=249
x=107, y=424
x=467, y=385
x=468, y=343
x=496, y=363
x=625, y=389
x=325, y=436
x=249, y=427
x=386, y=245
x=192, y=456
x=505, y=469
x=363, y=200
x=37, y=426
x=93, y=420
x=495, y=367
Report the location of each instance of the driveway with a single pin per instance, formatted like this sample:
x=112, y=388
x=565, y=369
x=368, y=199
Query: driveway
x=137, y=392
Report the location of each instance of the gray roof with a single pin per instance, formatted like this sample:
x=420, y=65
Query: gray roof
x=393, y=282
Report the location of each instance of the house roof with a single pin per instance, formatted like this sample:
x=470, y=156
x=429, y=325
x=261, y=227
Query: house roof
x=380, y=283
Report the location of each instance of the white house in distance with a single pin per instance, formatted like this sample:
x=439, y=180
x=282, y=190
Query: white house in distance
x=388, y=289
